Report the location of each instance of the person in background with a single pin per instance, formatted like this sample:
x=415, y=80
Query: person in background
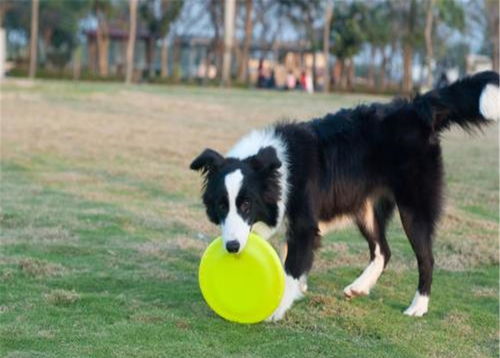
x=291, y=81
x=309, y=85
x=303, y=80
x=261, y=78
x=271, y=81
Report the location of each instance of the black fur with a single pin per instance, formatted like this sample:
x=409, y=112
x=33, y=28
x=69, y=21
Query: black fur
x=381, y=155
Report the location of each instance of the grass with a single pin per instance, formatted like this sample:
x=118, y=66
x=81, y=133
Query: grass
x=102, y=229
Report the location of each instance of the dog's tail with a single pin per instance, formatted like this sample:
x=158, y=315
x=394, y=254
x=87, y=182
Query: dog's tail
x=470, y=102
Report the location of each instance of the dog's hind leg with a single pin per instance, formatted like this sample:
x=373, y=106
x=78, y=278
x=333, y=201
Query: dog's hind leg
x=371, y=221
x=419, y=231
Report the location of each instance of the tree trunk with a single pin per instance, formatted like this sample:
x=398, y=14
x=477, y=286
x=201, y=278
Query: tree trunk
x=229, y=11
x=216, y=48
x=326, y=45
x=350, y=74
x=46, y=38
x=102, y=37
x=407, y=68
x=310, y=35
x=383, y=68
x=34, y=37
x=429, y=53
x=371, y=68
x=131, y=41
x=151, y=56
x=243, y=70
x=77, y=63
x=177, y=75
x=408, y=49
x=164, y=58
x=343, y=75
x=207, y=67
x=492, y=7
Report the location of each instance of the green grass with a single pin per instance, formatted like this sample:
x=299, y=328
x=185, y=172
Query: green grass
x=102, y=230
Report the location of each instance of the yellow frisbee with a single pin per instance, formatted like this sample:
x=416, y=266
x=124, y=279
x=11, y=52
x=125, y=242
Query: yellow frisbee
x=245, y=287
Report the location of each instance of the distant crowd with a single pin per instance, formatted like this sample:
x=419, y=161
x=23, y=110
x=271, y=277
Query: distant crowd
x=267, y=79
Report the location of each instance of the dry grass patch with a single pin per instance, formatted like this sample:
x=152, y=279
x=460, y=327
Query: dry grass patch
x=61, y=297
x=40, y=268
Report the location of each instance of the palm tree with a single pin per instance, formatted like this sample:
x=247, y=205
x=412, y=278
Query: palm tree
x=131, y=41
x=34, y=37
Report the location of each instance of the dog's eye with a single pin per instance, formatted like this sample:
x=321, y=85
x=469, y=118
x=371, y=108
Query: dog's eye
x=245, y=206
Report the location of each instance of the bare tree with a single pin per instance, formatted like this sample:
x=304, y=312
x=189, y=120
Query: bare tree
x=131, y=41
x=326, y=44
x=35, y=6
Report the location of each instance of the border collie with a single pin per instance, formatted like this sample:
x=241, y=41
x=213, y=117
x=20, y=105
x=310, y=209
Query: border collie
x=357, y=164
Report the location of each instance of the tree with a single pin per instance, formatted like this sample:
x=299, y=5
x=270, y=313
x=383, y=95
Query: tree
x=158, y=20
x=229, y=11
x=326, y=44
x=131, y=41
x=492, y=8
x=58, y=26
x=347, y=38
x=215, y=11
x=429, y=54
x=446, y=12
x=377, y=27
x=408, y=47
x=102, y=9
x=243, y=68
x=302, y=13
x=34, y=37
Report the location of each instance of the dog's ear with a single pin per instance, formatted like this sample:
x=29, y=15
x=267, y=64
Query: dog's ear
x=208, y=160
x=265, y=160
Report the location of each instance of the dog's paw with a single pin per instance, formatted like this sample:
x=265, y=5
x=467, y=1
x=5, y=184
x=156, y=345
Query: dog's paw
x=293, y=292
x=277, y=315
x=355, y=290
x=419, y=306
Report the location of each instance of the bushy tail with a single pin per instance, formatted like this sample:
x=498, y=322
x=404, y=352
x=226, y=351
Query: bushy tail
x=469, y=102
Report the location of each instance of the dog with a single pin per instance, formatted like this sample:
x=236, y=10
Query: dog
x=356, y=164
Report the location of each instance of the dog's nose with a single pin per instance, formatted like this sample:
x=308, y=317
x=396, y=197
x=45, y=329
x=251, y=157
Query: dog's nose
x=232, y=246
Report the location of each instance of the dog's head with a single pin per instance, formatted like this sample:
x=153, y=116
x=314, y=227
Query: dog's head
x=237, y=193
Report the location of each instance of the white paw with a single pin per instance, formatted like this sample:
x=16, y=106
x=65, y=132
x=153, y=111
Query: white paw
x=293, y=292
x=419, y=306
x=278, y=314
x=303, y=283
x=364, y=283
x=356, y=289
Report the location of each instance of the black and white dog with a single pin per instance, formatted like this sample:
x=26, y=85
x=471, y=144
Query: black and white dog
x=355, y=164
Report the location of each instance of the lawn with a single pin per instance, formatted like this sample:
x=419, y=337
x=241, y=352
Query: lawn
x=102, y=229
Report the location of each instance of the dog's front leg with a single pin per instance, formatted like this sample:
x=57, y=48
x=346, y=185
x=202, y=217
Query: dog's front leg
x=294, y=290
x=299, y=258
